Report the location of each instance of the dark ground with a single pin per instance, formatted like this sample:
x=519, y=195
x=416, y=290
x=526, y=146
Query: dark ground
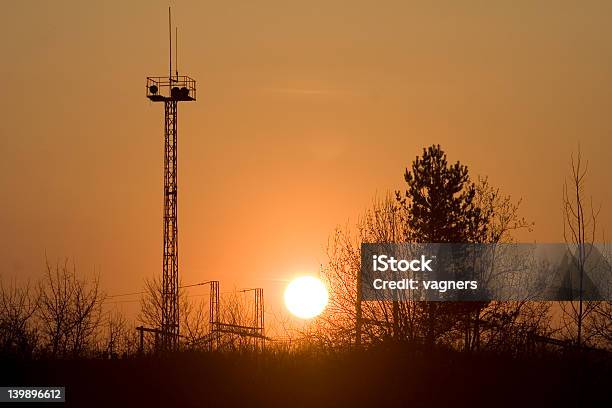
x=353, y=379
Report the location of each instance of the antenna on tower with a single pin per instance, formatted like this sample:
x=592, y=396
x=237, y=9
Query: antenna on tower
x=170, y=37
x=176, y=53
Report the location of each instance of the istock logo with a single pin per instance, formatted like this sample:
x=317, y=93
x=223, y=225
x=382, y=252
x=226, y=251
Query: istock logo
x=382, y=263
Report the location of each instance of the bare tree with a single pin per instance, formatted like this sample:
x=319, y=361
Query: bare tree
x=69, y=310
x=121, y=339
x=151, y=303
x=579, y=228
x=18, y=335
x=195, y=321
x=600, y=324
x=502, y=221
x=381, y=320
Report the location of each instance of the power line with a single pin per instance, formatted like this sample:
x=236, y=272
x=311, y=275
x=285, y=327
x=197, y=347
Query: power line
x=143, y=292
x=187, y=296
x=126, y=294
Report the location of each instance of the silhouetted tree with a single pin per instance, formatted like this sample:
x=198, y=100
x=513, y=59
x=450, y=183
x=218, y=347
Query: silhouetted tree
x=440, y=202
x=151, y=303
x=470, y=212
x=502, y=221
x=600, y=325
x=69, y=310
x=195, y=321
x=18, y=334
x=121, y=337
x=440, y=207
x=336, y=326
x=579, y=229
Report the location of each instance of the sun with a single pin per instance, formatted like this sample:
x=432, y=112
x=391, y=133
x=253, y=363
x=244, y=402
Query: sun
x=306, y=297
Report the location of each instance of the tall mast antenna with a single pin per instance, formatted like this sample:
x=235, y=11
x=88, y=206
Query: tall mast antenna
x=176, y=52
x=170, y=36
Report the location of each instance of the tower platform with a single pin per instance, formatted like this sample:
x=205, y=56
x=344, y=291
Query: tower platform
x=162, y=89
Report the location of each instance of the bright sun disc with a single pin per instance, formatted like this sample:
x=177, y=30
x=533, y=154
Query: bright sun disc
x=306, y=297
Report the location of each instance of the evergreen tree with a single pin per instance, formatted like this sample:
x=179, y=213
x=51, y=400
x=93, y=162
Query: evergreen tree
x=439, y=202
x=439, y=207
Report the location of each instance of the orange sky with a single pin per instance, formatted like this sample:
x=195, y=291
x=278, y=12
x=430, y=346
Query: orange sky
x=305, y=112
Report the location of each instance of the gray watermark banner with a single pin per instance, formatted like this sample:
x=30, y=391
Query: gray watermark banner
x=32, y=394
x=486, y=272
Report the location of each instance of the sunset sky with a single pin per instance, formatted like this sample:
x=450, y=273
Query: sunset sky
x=305, y=112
